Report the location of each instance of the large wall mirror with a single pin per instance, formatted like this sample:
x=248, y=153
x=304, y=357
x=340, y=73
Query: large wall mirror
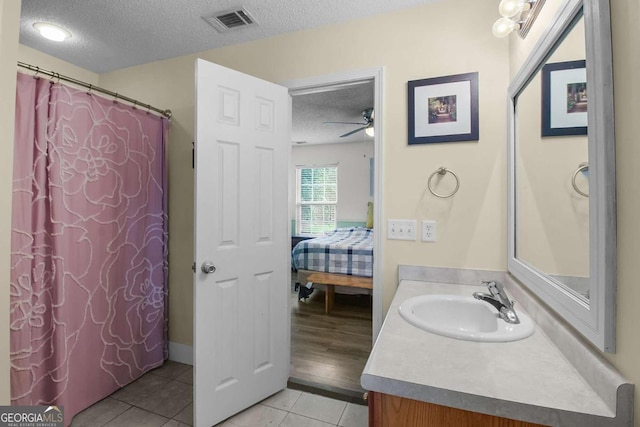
x=562, y=171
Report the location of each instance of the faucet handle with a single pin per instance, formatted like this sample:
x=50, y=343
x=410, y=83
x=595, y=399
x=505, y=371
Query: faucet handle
x=488, y=282
x=492, y=285
x=497, y=290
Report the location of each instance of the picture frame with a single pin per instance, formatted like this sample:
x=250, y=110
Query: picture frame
x=443, y=109
x=564, y=98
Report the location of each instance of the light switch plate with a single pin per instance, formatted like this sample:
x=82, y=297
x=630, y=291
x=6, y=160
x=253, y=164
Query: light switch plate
x=401, y=229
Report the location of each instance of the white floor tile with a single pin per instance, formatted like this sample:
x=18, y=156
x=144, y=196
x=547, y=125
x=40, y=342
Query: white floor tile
x=283, y=400
x=355, y=416
x=257, y=416
x=293, y=420
x=319, y=407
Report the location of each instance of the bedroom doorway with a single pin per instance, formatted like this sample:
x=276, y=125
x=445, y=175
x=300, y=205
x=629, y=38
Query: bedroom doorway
x=336, y=144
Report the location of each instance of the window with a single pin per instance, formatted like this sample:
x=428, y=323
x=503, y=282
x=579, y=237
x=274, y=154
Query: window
x=316, y=199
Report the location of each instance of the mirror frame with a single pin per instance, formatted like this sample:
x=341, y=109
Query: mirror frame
x=595, y=319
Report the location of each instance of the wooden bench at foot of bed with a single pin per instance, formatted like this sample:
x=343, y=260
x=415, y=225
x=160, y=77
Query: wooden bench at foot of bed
x=331, y=280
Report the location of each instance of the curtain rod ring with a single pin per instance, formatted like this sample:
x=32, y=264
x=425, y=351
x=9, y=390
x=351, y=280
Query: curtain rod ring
x=443, y=171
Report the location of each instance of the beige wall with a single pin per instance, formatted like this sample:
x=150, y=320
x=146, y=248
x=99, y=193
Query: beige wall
x=626, y=63
x=9, y=25
x=411, y=44
x=404, y=43
x=48, y=62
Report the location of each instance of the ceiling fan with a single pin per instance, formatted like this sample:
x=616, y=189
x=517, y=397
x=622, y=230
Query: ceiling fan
x=367, y=126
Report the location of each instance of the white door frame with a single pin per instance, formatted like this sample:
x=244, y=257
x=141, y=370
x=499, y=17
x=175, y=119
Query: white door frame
x=316, y=84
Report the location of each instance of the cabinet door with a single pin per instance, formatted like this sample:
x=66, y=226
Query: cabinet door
x=393, y=411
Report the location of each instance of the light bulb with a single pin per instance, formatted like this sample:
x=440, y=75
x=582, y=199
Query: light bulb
x=510, y=8
x=369, y=130
x=503, y=26
x=51, y=31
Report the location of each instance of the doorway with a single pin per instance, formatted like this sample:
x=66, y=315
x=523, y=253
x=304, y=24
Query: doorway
x=329, y=350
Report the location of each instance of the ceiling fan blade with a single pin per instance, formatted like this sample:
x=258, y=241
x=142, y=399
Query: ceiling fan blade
x=345, y=123
x=354, y=131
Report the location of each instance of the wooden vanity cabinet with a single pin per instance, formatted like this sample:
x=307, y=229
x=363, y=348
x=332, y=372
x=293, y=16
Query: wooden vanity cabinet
x=392, y=411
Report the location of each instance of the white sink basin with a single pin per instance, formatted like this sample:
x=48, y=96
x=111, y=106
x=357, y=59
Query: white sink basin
x=463, y=317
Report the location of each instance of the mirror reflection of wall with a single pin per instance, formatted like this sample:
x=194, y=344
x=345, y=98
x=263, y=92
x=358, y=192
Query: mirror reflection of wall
x=552, y=218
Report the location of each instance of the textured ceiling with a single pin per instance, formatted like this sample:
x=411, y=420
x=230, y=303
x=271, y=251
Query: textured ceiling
x=310, y=111
x=113, y=34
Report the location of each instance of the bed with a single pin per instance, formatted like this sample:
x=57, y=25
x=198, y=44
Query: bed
x=344, y=252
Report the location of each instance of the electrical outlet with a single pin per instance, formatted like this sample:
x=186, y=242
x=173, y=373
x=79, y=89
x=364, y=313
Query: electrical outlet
x=401, y=229
x=428, y=231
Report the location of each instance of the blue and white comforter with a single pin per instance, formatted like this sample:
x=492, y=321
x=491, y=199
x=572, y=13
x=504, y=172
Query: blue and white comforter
x=343, y=251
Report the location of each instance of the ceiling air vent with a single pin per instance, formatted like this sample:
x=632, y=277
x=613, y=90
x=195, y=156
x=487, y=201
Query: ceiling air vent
x=230, y=20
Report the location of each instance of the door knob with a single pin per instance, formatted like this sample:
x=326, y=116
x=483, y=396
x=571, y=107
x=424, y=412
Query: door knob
x=208, y=267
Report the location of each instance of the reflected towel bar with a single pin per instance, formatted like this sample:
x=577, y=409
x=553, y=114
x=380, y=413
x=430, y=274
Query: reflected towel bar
x=581, y=168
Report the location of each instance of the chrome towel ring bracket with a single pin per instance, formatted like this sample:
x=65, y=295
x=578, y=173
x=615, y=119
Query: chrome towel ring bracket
x=443, y=171
x=581, y=168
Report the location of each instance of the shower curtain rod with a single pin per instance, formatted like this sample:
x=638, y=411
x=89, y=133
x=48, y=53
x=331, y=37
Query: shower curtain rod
x=116, y=96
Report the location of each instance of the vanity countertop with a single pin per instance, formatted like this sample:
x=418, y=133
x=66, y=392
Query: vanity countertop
x=529, y=380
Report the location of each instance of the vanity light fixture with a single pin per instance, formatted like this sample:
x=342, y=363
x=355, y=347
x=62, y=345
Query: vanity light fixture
x=511, y=8
x=504, y=26
x=516, y=15
x=51, y=31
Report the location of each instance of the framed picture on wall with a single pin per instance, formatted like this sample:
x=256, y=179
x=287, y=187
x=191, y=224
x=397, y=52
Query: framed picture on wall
x=564, y=98
x=443, y=109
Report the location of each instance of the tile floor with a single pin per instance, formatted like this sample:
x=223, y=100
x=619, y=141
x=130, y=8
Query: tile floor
x=163, y=397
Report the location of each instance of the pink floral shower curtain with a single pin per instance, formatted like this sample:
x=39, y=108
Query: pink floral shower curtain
x=89, y=246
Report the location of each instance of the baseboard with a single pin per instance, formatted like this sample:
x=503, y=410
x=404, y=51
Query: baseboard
x=181, y=353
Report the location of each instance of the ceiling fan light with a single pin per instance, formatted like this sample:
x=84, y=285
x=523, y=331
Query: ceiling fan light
x=51, y=31
x=369, y=130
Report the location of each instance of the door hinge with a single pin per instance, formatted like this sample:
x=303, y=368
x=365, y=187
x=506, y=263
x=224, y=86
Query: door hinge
x=193, y=267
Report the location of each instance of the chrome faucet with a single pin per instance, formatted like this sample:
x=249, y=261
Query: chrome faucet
x=498, y=298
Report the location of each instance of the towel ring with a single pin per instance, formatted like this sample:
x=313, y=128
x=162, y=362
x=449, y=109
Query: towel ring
x=581, y=167
x=443, y=171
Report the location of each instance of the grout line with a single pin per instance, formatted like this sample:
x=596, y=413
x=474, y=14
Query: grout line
x=296, y=401
x=110, y=419
x=342, y=415
x=185, y=407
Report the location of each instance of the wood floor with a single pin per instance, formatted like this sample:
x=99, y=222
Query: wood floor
x=330, y=349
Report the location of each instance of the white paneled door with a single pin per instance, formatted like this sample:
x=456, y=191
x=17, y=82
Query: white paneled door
x=242, y=247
